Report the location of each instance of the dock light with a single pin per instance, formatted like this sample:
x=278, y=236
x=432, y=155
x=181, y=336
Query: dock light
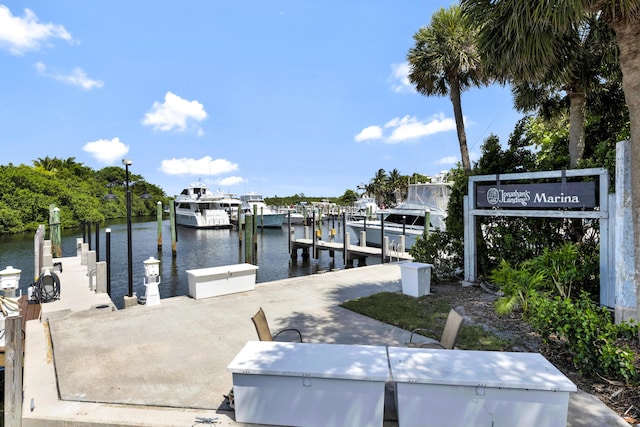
x=152, y=280
x=151, y=268
x=9, y=280
x=127, y=163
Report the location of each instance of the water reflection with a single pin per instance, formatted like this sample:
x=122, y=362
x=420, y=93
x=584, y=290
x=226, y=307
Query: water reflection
x=195, y=249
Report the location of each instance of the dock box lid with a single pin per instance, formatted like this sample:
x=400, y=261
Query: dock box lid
x=414, y=265
x=352, y=362
x=224, y=270
x=476, y=368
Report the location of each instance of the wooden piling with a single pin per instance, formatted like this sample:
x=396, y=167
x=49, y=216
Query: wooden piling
x=174, y=234
x=254, y=240
x=427, y=223
x=54, y=232
x=13, y=371
x=248, y=231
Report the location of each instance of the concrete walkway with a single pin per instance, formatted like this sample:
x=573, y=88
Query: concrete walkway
x=166, y=365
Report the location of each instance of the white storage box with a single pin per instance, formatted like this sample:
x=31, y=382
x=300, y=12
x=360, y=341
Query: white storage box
x=311, y=385
x=416, y=278
x=227, y=279
x=478, y=388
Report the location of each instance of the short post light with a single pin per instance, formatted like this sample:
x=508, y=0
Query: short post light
x=152, y=280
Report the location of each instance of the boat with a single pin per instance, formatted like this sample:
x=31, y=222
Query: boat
x=296, y=217
x=408, y=217
x=198, y=207
x=365, y=206
x=232, y=205
x=266, y=217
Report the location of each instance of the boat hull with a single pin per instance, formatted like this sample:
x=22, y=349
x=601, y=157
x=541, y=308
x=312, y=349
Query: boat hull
x=190, y=220
x=270, y=220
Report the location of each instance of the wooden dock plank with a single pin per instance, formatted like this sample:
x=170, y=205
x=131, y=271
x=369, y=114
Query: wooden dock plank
x=27, y=312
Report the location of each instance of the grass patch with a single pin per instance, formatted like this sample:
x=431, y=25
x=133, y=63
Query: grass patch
x=410, y=313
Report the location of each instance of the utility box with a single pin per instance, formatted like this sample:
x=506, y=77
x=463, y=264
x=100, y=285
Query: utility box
x=442, y=388
x=223, y=280
x=310, y=385
x=416, y=278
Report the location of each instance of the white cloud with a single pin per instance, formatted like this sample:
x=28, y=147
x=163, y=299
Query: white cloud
x=175, y=113
x=407, y=128
x=400, y=78
x=77, y=77
x=230, y=181
x=368, y=133
x=106, y=150
x=21, y=34
x=205, y=166
x=449, y=160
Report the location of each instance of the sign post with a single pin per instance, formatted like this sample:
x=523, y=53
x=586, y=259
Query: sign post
x=556, y=197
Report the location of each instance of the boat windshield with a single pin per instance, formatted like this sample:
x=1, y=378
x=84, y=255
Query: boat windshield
x=431, y=195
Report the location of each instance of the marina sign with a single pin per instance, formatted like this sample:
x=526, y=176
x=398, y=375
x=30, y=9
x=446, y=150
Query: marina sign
x=573, y=195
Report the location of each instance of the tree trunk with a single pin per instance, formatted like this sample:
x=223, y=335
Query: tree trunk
x=577, y=104
x=454, y=93
x=627, y=36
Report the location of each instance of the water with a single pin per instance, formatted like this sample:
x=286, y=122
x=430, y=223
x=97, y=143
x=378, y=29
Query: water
x=195, y=249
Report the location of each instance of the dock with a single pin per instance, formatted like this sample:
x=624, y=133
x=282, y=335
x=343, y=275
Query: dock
x=86, y=363
x=311, y=246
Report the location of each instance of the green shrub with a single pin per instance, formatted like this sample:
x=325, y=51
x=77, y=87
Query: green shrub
x=442, y=251
x=589, y=332
x=516, y=284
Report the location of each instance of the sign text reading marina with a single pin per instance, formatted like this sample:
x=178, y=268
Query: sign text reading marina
x=573, y=195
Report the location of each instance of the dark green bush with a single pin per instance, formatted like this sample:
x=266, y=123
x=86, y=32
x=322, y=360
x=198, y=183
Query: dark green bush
x=442, y=251
x=589, y=332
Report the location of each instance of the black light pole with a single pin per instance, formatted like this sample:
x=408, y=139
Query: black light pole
x=127, y=163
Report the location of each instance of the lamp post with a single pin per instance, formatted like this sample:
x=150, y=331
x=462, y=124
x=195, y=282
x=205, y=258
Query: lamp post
x=127, y=163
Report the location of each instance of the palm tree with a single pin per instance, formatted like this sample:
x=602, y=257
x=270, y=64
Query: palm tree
x=377, y=186
x=519, y=34
x=584, y=61
x=445, y=61
x=394, y=185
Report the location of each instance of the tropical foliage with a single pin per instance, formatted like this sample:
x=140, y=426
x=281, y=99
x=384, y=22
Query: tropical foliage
x=445, y=61
x=27, y=192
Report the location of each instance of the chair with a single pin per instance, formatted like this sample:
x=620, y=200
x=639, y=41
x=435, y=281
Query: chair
x=449, y=334
x=262, y=327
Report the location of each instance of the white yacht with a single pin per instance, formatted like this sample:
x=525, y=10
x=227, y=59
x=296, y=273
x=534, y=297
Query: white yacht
x=365, y=206
x=266, y=216
x=408, y=217
x=290, y=212
x=198, y=207
x=232, y=205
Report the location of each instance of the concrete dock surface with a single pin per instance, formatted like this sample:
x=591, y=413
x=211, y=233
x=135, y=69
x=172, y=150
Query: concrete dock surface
x=88, y=364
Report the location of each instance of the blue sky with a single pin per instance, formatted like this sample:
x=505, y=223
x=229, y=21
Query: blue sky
x=279, y=97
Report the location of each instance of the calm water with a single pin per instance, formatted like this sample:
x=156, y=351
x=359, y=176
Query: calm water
x=195, y=249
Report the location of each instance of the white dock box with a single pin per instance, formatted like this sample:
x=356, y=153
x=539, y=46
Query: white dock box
x=416, y=278
x=478, y=388
x=311, y=385
x=223, y=280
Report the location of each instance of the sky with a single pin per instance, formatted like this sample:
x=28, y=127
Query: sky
x=279, y=97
